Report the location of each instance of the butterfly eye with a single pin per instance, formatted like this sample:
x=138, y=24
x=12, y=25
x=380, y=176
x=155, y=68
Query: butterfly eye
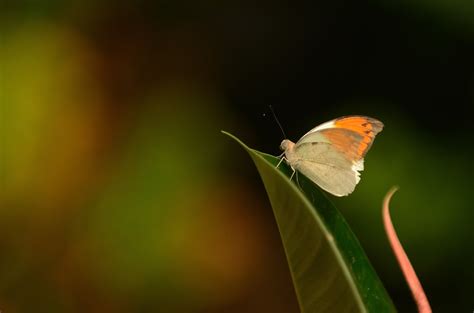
x=284, y=145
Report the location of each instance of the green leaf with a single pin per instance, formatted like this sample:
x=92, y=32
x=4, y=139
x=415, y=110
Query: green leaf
x=329, y=268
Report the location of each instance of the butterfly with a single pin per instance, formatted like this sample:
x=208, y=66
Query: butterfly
x=332, y=154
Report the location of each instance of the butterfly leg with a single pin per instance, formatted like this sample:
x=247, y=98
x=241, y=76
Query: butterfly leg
x=297, y=180
x=282, y=157
x=294, y=171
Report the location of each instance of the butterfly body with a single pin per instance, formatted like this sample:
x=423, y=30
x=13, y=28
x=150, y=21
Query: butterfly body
x=332, y=154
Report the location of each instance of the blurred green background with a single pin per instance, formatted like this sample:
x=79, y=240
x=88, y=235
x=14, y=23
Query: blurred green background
x=119, y=194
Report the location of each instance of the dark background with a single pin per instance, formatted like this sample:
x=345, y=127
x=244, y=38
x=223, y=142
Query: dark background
x=120, y=194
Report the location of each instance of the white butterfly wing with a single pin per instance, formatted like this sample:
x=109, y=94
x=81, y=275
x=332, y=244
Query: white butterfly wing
x=312, y=136
x=327, y=168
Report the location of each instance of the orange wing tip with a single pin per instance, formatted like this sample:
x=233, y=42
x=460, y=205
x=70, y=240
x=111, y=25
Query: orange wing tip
x=364, y=126
x=360, y=124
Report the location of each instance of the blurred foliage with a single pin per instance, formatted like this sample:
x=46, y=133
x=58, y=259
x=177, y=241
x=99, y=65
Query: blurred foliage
x=115, y=208
x=118, y=193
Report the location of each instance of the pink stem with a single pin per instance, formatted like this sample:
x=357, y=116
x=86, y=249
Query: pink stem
x=402, y=258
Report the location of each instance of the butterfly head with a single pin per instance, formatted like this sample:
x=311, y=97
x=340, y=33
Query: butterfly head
x=286, y=145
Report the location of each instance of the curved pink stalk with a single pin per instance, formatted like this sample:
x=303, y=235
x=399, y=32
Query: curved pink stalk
x=402, y=258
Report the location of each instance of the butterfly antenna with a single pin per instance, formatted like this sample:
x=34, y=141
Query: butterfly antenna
x=276, y=119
